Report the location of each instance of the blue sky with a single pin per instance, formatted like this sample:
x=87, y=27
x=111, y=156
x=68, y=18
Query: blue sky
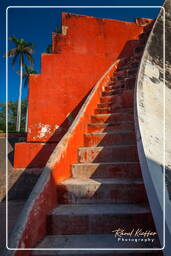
x=37, y=24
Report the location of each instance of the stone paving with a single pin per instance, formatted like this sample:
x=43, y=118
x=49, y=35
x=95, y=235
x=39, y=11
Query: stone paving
x=20, y=181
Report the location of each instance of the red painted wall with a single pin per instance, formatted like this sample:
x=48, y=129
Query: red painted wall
x=85, y=49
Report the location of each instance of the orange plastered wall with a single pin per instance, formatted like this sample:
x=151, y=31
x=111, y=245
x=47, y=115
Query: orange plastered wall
x=82, y=53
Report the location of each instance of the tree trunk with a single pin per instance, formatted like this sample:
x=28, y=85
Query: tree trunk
x=26, y=123
x=18, y=124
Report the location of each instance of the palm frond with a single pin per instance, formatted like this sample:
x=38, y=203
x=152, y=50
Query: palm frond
x=11, y=52
x=29, y=57
x=28, y=49
x=14, y=60
x=29, y=44
x=14, y=39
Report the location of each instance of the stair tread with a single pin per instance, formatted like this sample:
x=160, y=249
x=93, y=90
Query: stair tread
x=112, y=123
x=110, y=132
x=99, y=181
x=89, y=241
x=113, y=114
x=98, y=209
x=117, y=108
x=108, y=163
x=111, y=146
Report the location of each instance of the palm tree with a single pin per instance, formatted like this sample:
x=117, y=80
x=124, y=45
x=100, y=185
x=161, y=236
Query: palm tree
x=23, y=50
x=49, y=49
x=26, y=76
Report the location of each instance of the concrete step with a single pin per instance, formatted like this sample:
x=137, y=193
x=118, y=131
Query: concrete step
x=132, y=72
x=112, y=92
x=113, y=105
x=112, y=109
x=94, y=241
x=118, y=78
x=134, y=58
x=129, y=66
x=105, y=190
x=120, y=101
x=114, y=86
x=111, y=118
x=118, y=153
x=120, y=73
x=104, y=127
x=106, y=170
x=130, y=83
x=87, y=218
x=124, y=96
x=109, y=138
x=125, y=71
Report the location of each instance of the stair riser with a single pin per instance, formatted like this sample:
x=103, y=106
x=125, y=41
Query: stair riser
x=129, y=66
x=130, y=83
x=106, y=171
x=126, y=96
x=113, y=87
x=112, y=118
x=126, y=72
x=103, y=139
x=113, y=106
x=105, y=128
x=112, y=92
x=101, y=193
x=113, y=79
x=86, y=224
x=111, y=154
x=135, y=59
x=138, y=50
x=110, y=110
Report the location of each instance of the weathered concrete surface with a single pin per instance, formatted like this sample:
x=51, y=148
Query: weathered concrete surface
x=20, y=182
x=14, y=209
x=101, y=190
x=150, y=106
x=93, y=241
x=97, y=218
x=106, y=170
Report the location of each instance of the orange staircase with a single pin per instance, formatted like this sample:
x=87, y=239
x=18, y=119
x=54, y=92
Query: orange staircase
x=106, y=191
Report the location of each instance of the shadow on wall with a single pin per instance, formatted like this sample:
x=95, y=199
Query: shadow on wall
x=26, y=181
x=168, y=181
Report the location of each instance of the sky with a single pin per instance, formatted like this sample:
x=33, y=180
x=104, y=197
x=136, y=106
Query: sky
x=37, y=24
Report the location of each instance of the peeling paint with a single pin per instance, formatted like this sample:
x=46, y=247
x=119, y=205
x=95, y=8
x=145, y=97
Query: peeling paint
x=44, y=130
x=64, y=30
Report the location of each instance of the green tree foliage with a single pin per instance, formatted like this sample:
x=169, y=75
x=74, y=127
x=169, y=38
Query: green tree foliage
x=49, y=49
x=12, y=116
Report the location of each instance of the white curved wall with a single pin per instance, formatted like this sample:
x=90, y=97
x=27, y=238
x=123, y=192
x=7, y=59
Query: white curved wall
x=153, y=100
